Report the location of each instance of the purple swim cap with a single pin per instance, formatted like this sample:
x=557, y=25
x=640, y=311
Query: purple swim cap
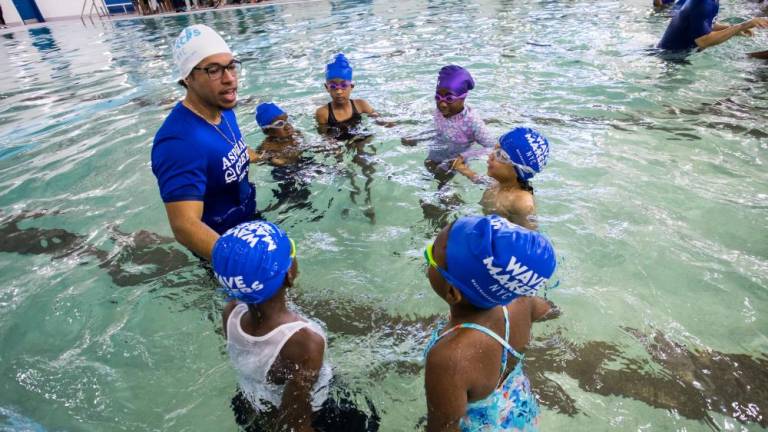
x=456, y=79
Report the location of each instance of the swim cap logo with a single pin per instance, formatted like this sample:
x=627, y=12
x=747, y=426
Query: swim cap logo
x=236, y=285
x=255, y=232
x=540, y=147
x=188, y=35
x=521, y=280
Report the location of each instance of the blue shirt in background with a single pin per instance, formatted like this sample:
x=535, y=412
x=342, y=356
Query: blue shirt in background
x=194, y=162
x=694, y=20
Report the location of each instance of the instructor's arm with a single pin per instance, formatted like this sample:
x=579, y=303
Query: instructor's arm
x=186, y=222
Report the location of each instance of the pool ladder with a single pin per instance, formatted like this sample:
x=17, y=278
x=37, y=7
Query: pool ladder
x=96, y=5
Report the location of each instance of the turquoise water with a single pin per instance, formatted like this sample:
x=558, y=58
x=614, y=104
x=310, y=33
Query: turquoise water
x=655, y=198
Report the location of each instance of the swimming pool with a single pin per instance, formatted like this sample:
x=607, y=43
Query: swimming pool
x=655, y=198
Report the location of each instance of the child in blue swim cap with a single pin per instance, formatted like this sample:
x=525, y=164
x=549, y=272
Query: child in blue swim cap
x=282, y=143
x=519, y=155
x=278, y=354
x=487, y=270
x=340, y=116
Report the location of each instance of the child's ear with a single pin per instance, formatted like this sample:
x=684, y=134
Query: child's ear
x=291, y=275
x=452, y=294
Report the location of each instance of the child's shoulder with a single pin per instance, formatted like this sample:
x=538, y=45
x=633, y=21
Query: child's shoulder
x=363, y=106
x=306, y=345
x=519, y=201
x=321, y=113
x=456, y=350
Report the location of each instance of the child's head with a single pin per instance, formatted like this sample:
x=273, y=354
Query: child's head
x=273, y=121
x=254, y=261
x=338, y=79
x=520, y=154
x=453, y=85
x=488, y=261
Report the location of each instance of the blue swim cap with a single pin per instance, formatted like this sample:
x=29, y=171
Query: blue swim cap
x=527, y=148
x=250, y=261
x=493, y=261
x=266, y=113
x=338, y=69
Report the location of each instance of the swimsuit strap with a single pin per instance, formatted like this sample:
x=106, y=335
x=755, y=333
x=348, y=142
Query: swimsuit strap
x=507, y=347
x=331, y=118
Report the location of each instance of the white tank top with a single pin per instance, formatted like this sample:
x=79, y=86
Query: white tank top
x=253, y=356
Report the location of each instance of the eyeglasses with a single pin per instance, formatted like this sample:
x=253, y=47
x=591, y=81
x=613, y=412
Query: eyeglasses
x=449, y=98
x=276, y=125
x=502, y=156
x=338, y=85
x=293, y=248
x=215, y=70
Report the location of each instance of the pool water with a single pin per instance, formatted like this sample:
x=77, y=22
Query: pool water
x=655, y=198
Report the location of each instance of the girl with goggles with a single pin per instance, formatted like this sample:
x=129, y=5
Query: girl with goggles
x=518, y=156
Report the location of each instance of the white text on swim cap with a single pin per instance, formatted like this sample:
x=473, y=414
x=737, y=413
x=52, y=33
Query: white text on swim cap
x=522, y=282
x=539, y=146
x=236, y=284
x=254, y=232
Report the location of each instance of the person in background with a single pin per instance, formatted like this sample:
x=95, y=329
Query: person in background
x=341, y=116
x=694, y=26
x=199, y=156
x=487, y=270
x=456, y=125
x=664, y=3
x=282, y=148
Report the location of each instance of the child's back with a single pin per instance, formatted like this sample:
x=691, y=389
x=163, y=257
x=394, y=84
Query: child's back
x=265, y=357
x=491, y=370
x=277, y=353
x=485, y=268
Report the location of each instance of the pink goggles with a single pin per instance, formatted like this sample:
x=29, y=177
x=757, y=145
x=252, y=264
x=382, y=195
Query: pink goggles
x=338, y=85
x=449, y=98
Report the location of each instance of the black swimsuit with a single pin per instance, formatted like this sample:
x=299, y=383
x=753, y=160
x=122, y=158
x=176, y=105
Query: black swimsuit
x=356, y=117
x=344, y=130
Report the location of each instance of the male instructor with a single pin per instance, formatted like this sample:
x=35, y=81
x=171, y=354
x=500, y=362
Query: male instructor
x=199, y=156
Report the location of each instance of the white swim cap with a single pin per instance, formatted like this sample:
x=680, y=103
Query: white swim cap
x=195, y=43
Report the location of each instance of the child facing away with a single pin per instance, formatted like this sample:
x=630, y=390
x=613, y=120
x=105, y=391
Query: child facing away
x=520, y=154
x=341, y=116
x=487, y=270
x=456, y=124
x=278, y=354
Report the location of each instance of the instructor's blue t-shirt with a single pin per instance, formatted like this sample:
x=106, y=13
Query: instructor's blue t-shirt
x=194, y=162
x=694, y=20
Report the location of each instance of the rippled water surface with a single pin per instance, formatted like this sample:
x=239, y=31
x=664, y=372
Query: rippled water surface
x=655, y=198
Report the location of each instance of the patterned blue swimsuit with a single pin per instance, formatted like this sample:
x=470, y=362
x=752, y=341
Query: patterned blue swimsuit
x=512, y=406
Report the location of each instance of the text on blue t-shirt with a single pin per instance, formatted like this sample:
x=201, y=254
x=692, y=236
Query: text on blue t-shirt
x=193, y=161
